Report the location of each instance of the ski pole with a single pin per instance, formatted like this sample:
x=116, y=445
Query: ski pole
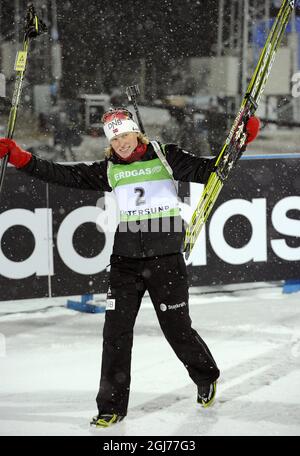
x=132, y=92
x=33, y=27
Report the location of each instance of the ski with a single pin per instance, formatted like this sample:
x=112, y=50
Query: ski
x=234, y=145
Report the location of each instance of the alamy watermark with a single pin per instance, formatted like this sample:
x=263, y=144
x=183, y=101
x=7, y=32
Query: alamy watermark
x=296, y=85
x=154, y=217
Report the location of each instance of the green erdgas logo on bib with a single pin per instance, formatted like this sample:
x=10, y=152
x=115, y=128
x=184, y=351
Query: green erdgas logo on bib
x=138, y=172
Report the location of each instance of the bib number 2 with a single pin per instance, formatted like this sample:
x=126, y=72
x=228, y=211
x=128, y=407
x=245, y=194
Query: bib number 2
x=140, y=196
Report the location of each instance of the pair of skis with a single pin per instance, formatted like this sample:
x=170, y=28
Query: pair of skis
x=235, y=143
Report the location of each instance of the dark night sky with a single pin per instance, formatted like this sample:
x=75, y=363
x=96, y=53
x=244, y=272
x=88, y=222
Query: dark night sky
x=140, y=27
x=112, y=36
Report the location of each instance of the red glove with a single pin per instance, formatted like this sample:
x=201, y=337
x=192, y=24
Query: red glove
x=17, y=156
x=252, y=128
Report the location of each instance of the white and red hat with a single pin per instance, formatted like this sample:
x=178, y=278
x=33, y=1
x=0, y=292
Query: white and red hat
x=118, y=121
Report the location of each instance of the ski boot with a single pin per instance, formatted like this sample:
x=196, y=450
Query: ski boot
x=206, y=394
x=105, y=420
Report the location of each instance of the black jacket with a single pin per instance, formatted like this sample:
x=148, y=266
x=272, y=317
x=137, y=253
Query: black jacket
x=132, y=239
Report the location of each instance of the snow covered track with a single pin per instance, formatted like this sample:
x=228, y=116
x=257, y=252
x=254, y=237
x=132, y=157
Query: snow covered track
x=51, y=360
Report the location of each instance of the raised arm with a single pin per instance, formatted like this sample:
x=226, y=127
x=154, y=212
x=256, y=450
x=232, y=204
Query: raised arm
x=189, y=168
x=81, y=175
x=186, y=166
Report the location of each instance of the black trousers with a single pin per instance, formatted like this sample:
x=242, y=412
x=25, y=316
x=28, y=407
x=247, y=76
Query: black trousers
x=165, y=278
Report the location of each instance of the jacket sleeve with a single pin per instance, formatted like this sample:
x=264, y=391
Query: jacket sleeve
x=186, y=166
x=81, y=175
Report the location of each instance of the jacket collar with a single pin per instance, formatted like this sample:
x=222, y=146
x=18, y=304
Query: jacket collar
x=149, y=155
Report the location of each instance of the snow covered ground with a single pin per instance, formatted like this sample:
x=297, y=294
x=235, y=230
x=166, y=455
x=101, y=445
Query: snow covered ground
x=50, y=363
